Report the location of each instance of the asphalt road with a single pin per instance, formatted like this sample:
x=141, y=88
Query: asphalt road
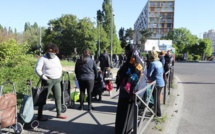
x=196, y=116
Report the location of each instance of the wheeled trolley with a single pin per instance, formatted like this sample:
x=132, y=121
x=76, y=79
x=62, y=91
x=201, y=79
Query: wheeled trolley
x=65, y=88
x=8, y=109
x=26, y=112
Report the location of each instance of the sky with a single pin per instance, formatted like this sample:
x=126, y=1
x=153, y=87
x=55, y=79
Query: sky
x=198, y=16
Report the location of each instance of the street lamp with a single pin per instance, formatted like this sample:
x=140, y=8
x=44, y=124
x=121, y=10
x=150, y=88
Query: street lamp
x=159, y=21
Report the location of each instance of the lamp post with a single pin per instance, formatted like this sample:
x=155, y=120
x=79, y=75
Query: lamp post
x=159, y=20
x=99, y=37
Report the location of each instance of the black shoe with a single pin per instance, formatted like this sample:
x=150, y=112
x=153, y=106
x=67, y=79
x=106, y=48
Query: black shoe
x=91, y=108
x=80, y=108
x=100, y=98
x=42, y=118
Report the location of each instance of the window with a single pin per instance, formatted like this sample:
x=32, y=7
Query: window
x=162, y=25
x=152, y=4
x=169, y=20
x=152, y=20
x=170, y=9
x=151, y=14
x=169, y=25
x=158, y=9
x=152, y=9
x=170, y=3
x=158, y=4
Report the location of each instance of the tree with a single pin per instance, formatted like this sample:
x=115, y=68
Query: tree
x=129, y=34
x=145, y=34
x=69, y=33
x=122, y=37
x=63, y=33
x=32, y=36
x=182, y=38
x=86, y=36
x=108, y=15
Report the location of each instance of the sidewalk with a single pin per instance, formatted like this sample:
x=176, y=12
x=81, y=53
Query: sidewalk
x=99, y=121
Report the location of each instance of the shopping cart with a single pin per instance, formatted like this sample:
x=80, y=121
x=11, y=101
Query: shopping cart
x=8, y=109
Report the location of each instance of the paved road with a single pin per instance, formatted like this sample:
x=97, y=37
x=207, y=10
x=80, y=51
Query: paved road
x=197, y=114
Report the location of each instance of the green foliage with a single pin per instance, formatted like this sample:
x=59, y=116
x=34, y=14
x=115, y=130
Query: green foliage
x=129, y=34
x=189, y=57
x=10, y=51
x=179, y=57
x=67, y=63
x=185, y=42
x=16, y=66
x=108, y=24
x=182, y=38
x=196, y=57
x=86, y=35
x=145, y=34
x=122, y=37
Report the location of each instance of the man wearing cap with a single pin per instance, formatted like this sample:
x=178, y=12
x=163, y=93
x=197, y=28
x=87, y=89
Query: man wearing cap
x=155, y=73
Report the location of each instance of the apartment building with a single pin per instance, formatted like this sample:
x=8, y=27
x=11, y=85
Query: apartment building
x=210, y=35
x=157, y=16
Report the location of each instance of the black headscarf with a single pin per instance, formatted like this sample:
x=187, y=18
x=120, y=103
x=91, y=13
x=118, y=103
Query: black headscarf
x=133, y=66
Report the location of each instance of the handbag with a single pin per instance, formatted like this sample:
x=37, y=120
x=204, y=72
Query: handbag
x=39, y=94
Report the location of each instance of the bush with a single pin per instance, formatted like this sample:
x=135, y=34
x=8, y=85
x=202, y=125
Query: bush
x=196, y=57
x=189, y=57
x=179, y=57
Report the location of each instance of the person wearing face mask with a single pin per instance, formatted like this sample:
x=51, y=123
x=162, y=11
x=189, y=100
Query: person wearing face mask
x=49, y=68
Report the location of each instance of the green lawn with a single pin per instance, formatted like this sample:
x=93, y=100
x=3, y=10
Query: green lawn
x=67, y=63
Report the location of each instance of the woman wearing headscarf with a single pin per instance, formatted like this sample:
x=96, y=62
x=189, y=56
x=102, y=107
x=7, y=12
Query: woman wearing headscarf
x=128, y=77
x=155, y=73
x=49, y=68
x=86, y=72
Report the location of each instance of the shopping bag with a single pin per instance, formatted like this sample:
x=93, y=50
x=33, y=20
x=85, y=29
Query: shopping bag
x=75, y=96
x=39, y=94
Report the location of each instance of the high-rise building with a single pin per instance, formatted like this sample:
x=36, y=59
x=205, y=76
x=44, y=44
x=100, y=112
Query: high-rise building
x=210, y=35
x=157, y=16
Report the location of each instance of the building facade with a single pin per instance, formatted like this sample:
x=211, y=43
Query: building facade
x=210, y=35
x=157, y=16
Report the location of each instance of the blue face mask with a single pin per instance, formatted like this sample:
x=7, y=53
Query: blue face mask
x=50, y=55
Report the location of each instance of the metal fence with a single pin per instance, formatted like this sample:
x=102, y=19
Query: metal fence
x=140, y=122
x=139, y=127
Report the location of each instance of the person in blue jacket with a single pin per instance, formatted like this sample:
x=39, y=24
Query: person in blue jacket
x=155, y=73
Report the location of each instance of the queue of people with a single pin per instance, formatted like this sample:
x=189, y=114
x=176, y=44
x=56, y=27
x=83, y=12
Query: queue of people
x=133, y=75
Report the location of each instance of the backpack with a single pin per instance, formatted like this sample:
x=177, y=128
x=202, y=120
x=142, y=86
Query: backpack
x=26, y=111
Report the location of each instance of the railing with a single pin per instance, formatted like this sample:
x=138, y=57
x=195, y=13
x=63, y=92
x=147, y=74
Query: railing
x=139, y=127
x=139, y=124
x=168, y=78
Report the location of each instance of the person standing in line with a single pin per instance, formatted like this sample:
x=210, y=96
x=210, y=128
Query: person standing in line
x=155, y=73
x=128, y=78
x=161, y=57
x=86, y=72
x=104, y=60
x=49, y=68
x=168, y=61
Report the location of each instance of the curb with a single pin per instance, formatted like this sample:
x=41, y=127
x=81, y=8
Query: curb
x=176, y=110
